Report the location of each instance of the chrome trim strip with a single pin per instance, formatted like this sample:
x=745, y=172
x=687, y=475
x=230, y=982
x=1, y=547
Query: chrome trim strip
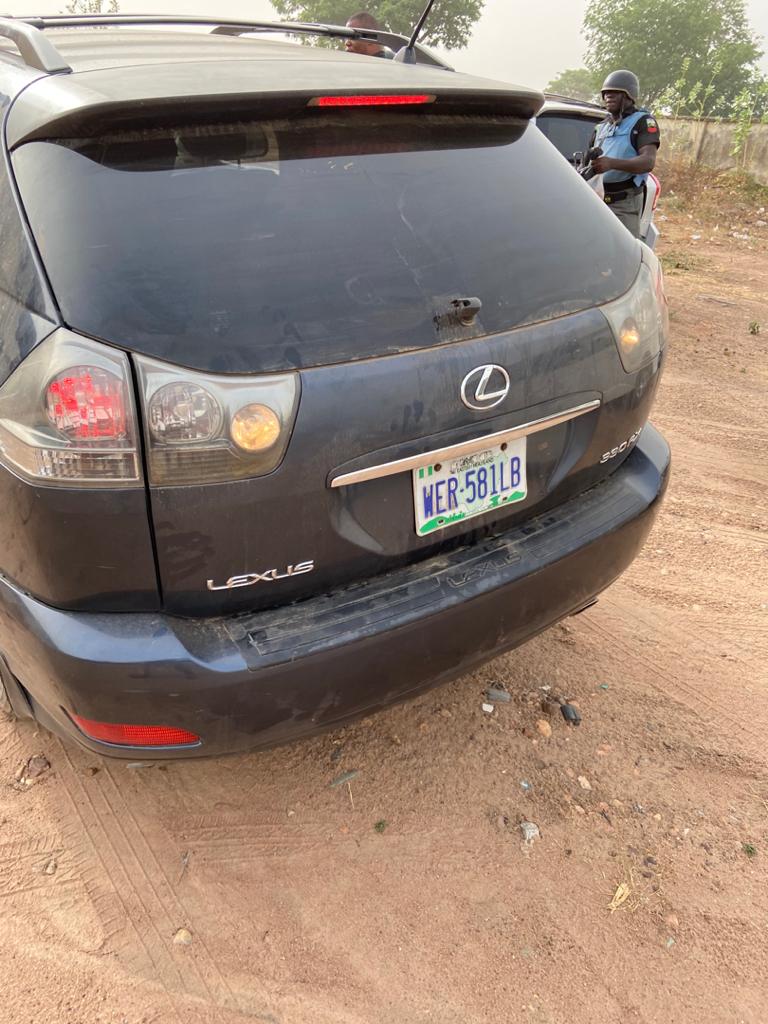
x=478, y=444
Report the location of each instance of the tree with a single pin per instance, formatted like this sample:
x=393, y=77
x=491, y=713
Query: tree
x=691, y=46
x=449, y=25
x=578, y=83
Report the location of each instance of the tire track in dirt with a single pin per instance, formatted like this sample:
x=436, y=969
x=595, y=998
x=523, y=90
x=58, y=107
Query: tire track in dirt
x=22, y=866
x=135, y=883
x=93, y=842
x=713, y=707
x=154, y=860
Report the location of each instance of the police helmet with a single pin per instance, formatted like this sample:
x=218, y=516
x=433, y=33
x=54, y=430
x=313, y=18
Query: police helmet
x=622, y=81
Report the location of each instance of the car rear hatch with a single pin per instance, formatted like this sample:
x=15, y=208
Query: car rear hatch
x=319, y=290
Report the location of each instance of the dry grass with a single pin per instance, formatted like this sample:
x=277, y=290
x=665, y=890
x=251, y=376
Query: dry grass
x=710, y=195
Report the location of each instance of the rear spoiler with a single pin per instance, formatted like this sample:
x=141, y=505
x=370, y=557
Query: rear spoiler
x=134, y=98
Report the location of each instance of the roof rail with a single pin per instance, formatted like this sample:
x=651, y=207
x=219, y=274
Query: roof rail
x=36, y=51
x=572, y=101
x=221, y=26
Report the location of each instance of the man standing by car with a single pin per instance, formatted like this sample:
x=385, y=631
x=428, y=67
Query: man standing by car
x=370, y=49
x=629, y=139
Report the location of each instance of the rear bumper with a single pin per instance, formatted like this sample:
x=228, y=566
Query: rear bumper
x=254, y=681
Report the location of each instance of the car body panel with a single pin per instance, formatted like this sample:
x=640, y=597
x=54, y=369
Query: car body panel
x=218, y=72
x=119, y=605
x=253, y=681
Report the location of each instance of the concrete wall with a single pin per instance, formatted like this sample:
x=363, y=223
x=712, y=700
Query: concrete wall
x=710, y=143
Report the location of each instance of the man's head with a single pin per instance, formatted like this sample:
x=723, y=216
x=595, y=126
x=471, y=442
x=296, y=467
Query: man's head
x=363, y=20
x=620, y=92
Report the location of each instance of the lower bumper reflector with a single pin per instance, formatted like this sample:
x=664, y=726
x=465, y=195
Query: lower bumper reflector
x=135, y=735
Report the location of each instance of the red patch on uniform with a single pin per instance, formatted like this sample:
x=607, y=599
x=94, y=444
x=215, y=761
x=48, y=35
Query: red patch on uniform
x=652, y=128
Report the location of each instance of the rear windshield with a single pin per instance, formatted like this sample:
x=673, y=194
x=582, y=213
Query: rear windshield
x=265, y=246
x=568, y=134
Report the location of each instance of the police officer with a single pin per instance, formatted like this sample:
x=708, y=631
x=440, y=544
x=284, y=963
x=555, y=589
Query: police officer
x=629, y=139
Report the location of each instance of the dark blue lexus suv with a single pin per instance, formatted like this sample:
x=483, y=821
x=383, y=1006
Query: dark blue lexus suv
x=323, y=379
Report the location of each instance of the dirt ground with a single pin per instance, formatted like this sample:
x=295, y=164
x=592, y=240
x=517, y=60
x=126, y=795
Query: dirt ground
x=408, y=897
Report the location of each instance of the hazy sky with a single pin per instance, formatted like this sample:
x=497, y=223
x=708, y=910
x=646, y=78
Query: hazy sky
x=514, y=40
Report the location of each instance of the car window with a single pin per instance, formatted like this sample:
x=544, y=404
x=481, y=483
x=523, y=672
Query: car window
x=280, y=244
x=567, y=133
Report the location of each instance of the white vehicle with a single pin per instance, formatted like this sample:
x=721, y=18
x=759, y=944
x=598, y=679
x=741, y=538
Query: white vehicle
x=569, y=125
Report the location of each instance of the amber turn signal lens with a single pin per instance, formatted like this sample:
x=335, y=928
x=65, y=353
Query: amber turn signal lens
x=255, y=428
x=629, y=335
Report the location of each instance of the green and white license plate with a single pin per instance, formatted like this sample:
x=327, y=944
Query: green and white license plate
x=457, y=489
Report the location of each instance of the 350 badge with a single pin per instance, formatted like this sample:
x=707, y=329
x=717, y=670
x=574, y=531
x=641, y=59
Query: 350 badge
x=607, y=456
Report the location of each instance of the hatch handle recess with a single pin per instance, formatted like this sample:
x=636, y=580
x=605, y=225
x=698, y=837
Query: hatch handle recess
x=467, y=309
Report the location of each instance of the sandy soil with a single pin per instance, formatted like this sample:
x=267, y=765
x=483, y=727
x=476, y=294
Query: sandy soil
x=300, y=911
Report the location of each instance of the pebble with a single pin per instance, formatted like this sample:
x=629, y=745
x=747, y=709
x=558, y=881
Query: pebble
x=544, y=728
x=657, y=817
x=530, y=831
x=616, y=803
x=584, y=783
x=488, y=709
x=183, y=937
x=50, y=867
x=32, y=769
x=498, y=696
x=344, y=777
x=570, y=714
x=579, y=809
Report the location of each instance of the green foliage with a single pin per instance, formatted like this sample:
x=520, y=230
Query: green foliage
x=749, y=105
x=93, y=7
x=704, y=51
x=380, y=826
x=693, y=100
x=578, y=83
x=450, y=23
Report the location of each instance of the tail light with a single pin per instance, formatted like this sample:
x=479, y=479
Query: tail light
x=201, y=428
x=658, y=191
x=67, y=416
x=640, y=318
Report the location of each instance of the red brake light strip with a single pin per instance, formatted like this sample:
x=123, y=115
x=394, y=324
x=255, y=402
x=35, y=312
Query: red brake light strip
x=383, y=100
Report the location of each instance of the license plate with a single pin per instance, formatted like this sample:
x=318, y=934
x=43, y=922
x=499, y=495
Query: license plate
x=457, y=489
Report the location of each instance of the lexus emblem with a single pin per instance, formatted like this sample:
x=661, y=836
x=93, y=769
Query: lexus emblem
x=485, y=386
